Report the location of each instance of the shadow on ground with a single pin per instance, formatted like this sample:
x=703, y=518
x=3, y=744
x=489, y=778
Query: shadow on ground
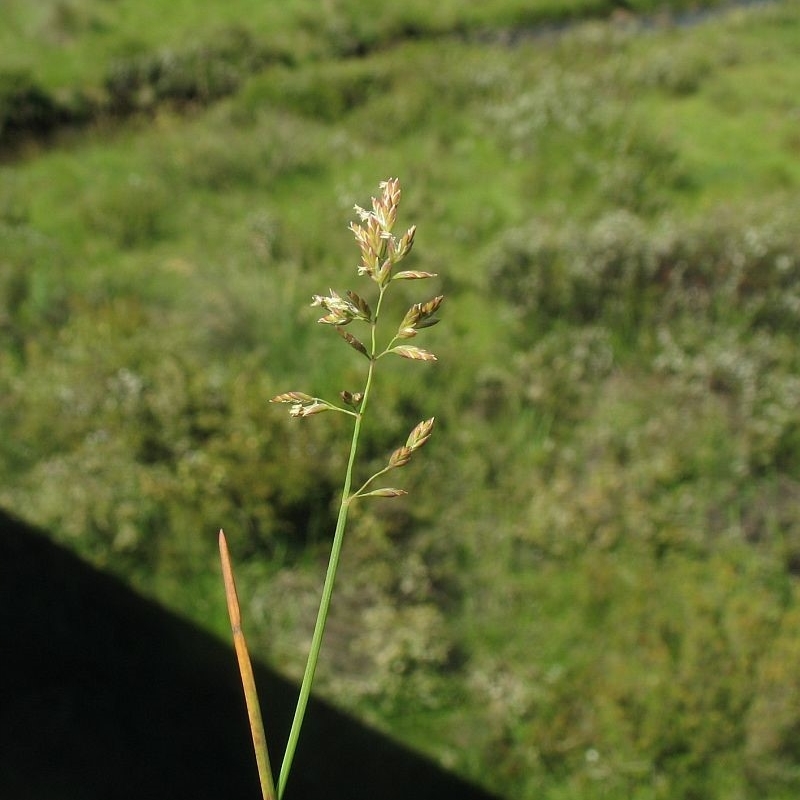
x=107, y=696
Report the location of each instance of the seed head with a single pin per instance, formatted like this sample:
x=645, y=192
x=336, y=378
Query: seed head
x=414, y=353
x=421, y=433
x=303, y=405
x=340, y=310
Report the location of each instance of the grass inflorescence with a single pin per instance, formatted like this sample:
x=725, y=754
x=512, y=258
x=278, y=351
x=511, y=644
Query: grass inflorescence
x=381, y=252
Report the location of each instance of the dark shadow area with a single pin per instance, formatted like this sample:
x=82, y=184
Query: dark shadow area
x=107, y=696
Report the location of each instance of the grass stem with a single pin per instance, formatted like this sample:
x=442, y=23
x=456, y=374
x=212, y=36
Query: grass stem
x=379, y=252
x=327, y=593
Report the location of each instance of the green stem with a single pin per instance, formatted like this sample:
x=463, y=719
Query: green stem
x=368, y=481
x=330, y=575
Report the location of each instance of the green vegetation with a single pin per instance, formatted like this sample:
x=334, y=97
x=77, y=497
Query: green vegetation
x=594, y=592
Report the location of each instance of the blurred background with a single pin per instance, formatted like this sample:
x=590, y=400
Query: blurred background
x=591, y=590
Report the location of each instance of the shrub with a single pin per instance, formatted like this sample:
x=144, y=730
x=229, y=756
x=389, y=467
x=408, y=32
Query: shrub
x=600, y=274
x=198, y=74
x=26, y=108
x=322, y=93
x=629, y=274
x=676, y=70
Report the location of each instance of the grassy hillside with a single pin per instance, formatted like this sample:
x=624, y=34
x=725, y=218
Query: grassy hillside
x=592, y=589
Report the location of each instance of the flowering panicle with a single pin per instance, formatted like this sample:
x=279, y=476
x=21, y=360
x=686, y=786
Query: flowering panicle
x=380, y=251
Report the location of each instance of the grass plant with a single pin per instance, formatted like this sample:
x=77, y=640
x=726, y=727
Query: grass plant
x=381, y=251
